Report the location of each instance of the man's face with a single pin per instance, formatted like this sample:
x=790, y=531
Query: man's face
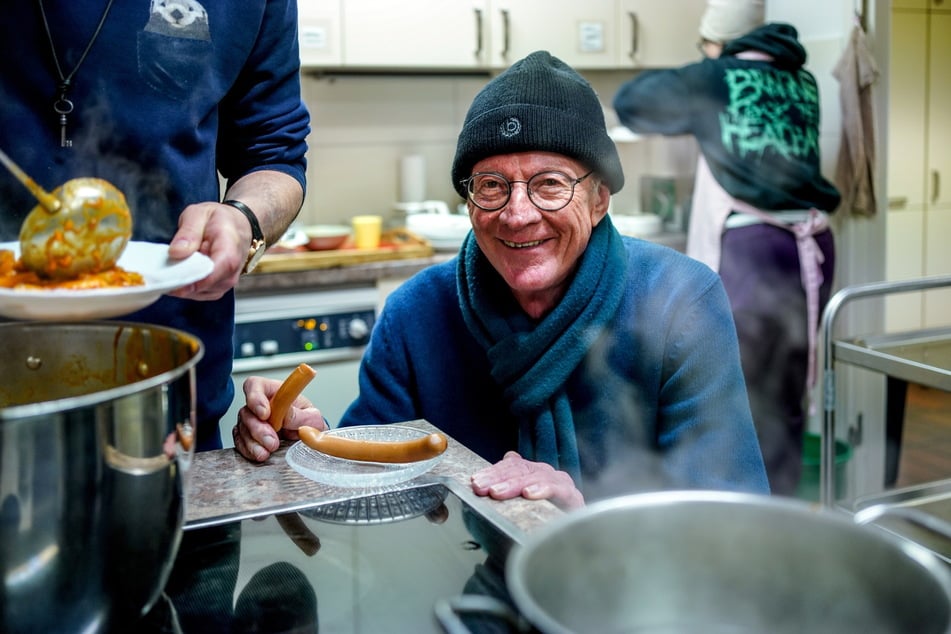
x=536, y=251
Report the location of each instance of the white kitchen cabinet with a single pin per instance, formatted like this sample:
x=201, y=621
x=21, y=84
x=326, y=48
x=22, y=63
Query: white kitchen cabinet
x=319, y=33
x=920, y=4
x=919, y=161
x=479, y=35
x=415, y=34
x=939, y=108
x=904, y=260
x=582, y=34
x=659, y=34
x=597, y=34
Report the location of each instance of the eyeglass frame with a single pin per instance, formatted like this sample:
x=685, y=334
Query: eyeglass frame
x=467, y=183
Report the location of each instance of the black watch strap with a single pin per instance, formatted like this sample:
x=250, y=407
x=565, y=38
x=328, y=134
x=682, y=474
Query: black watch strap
x=256, y=233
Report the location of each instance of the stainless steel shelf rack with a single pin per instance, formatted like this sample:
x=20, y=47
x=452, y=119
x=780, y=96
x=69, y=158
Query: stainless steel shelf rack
x=922, y=357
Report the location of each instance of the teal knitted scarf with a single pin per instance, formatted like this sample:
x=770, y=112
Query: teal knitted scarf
x=532, y=360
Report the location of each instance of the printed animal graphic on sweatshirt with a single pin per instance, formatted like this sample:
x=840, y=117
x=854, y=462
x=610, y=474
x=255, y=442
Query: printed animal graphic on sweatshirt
x=174, y=48
x=179, y=18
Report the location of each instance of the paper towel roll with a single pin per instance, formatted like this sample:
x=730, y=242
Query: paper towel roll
x=412, y=178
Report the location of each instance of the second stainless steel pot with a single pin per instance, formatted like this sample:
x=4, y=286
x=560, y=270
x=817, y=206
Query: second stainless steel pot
x=715, y=563
x=712, y=562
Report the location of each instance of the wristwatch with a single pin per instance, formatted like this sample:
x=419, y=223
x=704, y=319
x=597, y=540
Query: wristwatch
x=258, y=246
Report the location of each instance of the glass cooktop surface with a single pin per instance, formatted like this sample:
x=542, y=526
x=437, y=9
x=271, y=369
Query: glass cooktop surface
x=371, y=564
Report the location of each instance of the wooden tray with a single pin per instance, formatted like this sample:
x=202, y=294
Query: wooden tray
x=395, y=244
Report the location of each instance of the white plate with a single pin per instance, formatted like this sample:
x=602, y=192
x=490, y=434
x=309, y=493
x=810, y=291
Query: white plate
x=161, y=274
x=439, y=226
x=341, y=472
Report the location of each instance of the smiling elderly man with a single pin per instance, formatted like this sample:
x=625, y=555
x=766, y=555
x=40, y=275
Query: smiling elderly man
x=581, y=363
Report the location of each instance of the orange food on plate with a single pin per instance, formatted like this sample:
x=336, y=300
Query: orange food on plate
x=17, y=277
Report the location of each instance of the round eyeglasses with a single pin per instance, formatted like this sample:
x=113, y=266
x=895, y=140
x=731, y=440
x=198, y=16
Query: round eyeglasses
x=549, y=191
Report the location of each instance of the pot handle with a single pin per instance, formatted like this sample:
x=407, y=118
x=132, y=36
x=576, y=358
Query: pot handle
x=915, y=516
x=448, y=612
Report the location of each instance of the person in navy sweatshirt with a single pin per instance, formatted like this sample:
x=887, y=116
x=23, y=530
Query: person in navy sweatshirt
x=162, y=99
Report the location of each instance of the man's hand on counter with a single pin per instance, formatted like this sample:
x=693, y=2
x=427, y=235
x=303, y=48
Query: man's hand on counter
x=514, y=476
x=255, y=437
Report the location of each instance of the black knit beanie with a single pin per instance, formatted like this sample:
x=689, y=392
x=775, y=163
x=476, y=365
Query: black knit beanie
x=538, y=104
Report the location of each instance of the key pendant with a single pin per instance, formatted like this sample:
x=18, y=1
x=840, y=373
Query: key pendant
x=63, y=107
x=63, y=141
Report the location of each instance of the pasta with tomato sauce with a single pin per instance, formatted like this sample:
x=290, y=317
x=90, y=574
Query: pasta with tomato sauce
x=16, y=276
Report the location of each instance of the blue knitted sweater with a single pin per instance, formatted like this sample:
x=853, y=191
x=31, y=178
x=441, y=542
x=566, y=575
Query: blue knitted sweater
x=658, y=403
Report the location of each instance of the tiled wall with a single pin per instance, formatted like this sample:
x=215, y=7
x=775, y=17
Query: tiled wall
x=363, y=125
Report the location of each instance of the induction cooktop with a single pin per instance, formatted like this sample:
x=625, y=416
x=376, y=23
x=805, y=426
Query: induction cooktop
x=374, y=563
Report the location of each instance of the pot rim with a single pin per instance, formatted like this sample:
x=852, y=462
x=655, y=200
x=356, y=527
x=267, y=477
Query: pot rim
x=30, y=410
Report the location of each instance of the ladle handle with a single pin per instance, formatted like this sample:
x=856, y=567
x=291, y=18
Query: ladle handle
x=47, y=200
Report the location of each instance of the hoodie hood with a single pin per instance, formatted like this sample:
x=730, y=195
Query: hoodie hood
x=777, y=39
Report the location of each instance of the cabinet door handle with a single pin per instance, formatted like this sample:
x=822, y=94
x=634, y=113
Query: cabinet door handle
x=505, y=33
x=935, y=185
x=478, y=24
x=898, y=202
x=634, y=35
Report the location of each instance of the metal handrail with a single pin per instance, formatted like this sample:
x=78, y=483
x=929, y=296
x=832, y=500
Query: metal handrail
x=845, y=295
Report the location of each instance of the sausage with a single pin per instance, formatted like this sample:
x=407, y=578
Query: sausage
x=297, y=530
x=290, y=389
x=415, y=450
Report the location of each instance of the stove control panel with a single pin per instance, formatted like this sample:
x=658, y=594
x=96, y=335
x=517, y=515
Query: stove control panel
x=310, y=333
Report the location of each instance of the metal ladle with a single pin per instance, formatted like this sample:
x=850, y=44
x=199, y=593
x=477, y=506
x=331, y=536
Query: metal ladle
x=83, y=226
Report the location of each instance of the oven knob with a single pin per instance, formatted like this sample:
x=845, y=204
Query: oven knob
x=357, y=329
x=269, y=346
x=247, y=349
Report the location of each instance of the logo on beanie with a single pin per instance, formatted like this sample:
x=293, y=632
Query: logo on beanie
x=510, y=127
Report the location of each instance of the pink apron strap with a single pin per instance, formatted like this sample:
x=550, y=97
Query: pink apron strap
x=810, y=266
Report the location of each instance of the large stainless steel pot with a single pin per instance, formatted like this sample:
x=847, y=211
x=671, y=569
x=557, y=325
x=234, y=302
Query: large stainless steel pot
x=710, y=562
x=96, y=435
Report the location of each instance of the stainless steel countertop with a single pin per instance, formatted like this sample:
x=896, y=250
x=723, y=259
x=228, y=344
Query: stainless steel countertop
x=223, y=486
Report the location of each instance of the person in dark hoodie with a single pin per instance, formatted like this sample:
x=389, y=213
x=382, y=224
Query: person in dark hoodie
x=760, y=203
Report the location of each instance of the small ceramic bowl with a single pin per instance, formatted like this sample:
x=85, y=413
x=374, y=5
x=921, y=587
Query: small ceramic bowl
x=326, y=237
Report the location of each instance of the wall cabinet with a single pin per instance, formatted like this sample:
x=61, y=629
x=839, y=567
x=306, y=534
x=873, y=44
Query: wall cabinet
x=320, y=32
x=919, y=160
x=420, y=33
x=659, y=34
x=582, y=34
x=479, y=35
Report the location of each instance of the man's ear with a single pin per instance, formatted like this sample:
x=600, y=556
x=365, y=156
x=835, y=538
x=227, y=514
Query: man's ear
x=600, y=208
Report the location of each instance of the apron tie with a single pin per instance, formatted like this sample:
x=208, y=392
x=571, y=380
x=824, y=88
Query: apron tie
x=810, y=272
